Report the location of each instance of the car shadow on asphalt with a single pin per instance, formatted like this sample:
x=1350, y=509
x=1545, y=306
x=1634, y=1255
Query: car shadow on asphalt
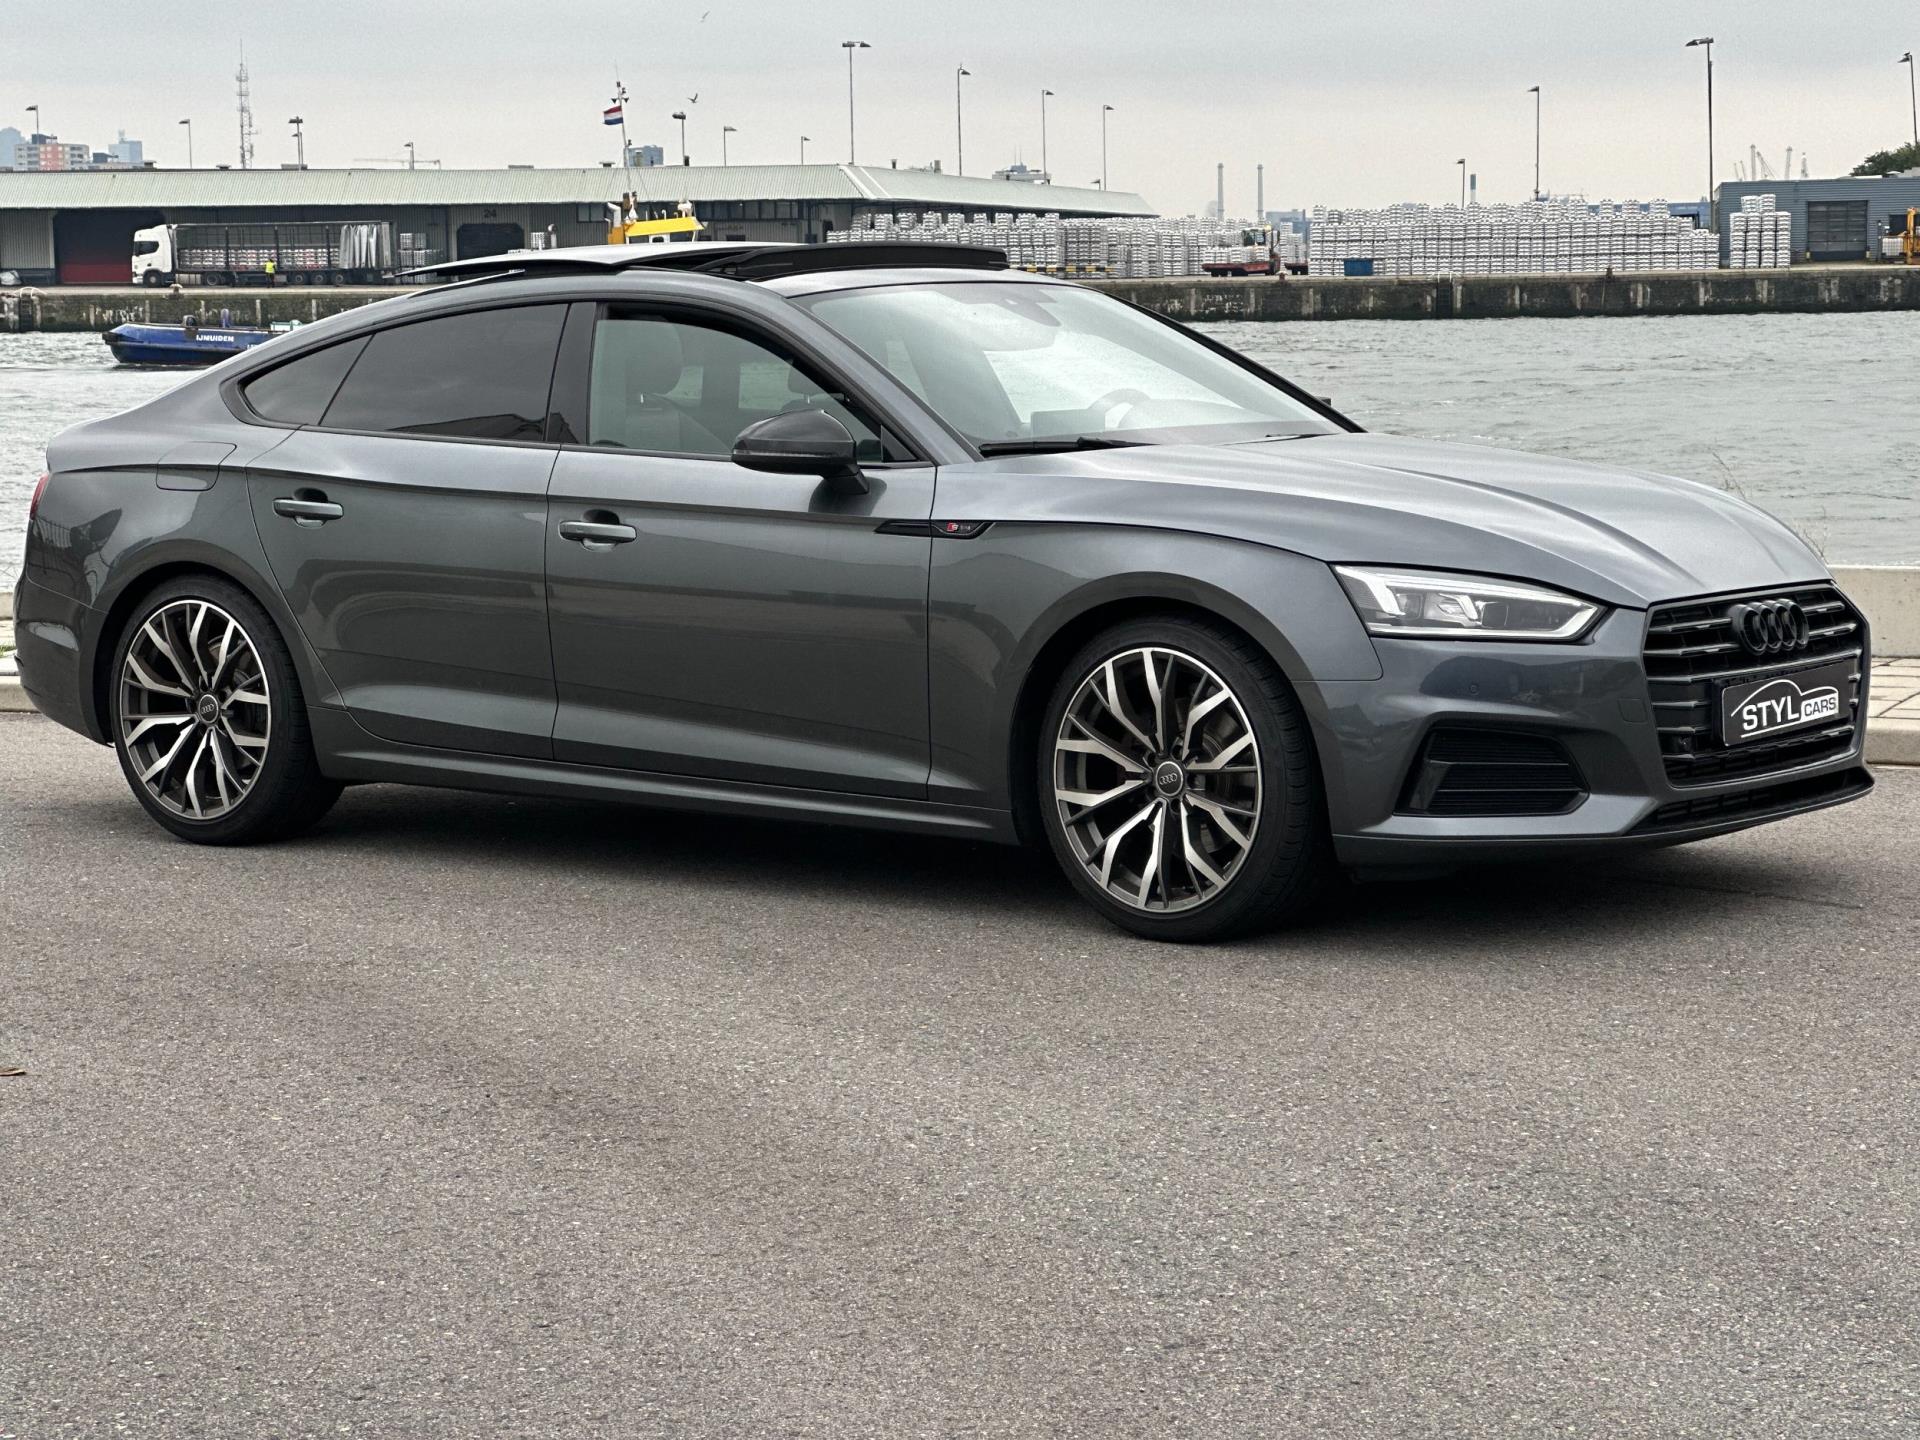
x=1495, y=905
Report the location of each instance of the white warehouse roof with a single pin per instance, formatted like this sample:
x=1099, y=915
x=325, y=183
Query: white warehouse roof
x=656, y=185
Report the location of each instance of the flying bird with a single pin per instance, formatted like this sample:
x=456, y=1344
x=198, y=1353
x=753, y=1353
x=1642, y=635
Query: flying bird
x=693, y=99
x=703, y=16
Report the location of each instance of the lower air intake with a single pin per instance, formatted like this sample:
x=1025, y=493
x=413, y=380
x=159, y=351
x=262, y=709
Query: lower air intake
x=1464, y=772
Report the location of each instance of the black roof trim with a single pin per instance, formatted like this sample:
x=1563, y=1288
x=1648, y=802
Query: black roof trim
x=733, y=261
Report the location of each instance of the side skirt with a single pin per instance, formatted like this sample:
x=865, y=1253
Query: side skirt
x=351, y=754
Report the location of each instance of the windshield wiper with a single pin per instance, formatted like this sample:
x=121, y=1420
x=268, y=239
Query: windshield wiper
x=1056, y=445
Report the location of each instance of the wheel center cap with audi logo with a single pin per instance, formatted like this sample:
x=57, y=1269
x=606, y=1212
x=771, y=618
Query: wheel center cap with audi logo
x=1168, y=778
x=207, y=709
x=1770, y=627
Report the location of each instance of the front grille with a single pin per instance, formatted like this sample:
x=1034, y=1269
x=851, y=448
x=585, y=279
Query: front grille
x=1784, y=798
x=1691, y=653
x=1491, y=772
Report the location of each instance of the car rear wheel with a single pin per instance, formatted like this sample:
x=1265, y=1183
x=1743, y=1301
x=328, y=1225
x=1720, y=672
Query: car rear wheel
x=208, y=718
x=1178, y=783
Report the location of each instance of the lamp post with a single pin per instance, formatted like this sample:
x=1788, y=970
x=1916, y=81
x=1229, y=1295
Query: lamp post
x=1536, y=143
x=408, y=147
x=850, y=46
x=1713, y=202
x=1463, y=182
x=959, y=123
x=34, y=110
x=803, y=148
x=189, y=125
x=1105, y=110
x=1913, y=95
x=1043, y=135
x=726, y=130
x=299, y=142
x=681, y=116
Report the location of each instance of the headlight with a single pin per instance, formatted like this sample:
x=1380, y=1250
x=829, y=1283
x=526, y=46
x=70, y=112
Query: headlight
x=1432, y=604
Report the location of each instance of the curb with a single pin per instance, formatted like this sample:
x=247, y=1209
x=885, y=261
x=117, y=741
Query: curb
x=1893, y=742
x=13, y=698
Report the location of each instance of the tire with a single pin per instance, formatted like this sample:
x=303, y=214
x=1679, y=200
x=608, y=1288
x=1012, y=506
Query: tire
x=207, y=717
x=1239, y=850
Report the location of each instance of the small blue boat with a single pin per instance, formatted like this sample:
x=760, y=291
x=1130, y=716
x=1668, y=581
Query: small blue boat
x=187, y=344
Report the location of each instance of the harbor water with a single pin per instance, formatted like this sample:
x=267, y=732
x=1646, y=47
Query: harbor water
x=1813, y=417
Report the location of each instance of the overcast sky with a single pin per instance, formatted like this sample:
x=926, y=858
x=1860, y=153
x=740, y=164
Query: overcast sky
x=1349, y=103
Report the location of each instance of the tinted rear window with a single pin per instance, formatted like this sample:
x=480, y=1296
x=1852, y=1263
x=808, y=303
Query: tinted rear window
x=485, y=374
x=299, y=392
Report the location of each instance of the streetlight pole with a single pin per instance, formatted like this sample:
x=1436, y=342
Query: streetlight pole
x=1043, y=135
x=1105, y=110
x=1463, y=182
x=850, y=46
x=959, y=124
x=681, y=116
x=1536, y=143
x=299, y=143
x=34, y=110
x=408, y=146
x=189, y=125
x=1913, y=95
x=726, y=130
x=803, y=148
x=1713, y=203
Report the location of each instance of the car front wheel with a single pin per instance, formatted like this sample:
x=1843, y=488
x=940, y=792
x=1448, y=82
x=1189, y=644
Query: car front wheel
x=209, y=721
x=1178, y=783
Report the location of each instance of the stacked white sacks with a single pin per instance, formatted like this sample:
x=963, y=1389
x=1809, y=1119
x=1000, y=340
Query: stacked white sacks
x=1760, y=236
x=1139, y=249
x=1535, y=238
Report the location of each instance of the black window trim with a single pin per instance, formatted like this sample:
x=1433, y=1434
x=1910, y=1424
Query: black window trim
x=573, y=378
x=235, y=390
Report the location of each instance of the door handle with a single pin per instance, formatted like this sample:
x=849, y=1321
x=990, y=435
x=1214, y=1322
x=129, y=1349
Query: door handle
x=308, y=512
x=597, y=534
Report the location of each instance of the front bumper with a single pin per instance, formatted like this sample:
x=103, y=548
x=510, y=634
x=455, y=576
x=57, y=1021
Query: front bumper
x=1593, y=699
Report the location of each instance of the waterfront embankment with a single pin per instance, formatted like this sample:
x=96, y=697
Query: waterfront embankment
x=1811, y=289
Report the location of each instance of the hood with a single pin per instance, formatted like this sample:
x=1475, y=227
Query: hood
x=1621, y=536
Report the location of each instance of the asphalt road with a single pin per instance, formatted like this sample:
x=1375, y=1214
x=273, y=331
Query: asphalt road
x=475, y=1117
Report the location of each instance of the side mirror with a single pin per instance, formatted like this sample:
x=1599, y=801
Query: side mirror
x=802, y=442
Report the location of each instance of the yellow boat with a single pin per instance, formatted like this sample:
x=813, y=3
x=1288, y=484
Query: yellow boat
x=628, y=228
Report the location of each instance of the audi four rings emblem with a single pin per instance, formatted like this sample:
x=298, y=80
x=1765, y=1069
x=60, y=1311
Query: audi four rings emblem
x=1768, y=627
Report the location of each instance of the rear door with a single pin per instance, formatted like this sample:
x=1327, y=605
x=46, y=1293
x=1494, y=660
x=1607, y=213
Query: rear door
x=405, y=523
x=746, y=626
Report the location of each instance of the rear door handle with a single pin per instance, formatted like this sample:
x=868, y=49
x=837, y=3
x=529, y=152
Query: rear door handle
x=308, y=512
x=597, y=534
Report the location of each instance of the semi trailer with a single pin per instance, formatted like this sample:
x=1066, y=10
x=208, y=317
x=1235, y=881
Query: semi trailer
x=303, y=252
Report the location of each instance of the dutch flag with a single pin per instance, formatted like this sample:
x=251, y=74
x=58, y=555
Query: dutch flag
x=610, y=115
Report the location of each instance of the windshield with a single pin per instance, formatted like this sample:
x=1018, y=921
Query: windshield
x=1015, y=366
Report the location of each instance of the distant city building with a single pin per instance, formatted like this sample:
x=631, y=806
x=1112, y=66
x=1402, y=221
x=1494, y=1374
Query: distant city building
x=1021, y=172
x=48, y=152
x=125, y=152
x=645, y=157
x=10, y=138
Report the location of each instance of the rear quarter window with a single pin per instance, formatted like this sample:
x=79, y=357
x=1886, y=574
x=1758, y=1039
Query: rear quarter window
x=299, y=392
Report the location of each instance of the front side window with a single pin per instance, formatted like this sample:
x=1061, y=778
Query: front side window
x=484, y=375
x=670, y=386
x=1015, y=366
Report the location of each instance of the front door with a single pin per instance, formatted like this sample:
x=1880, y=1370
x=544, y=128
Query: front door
x=406, y=527
x=736, y=625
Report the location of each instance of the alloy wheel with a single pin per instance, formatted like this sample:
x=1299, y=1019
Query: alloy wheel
x=1156, y=775
x=195, y=710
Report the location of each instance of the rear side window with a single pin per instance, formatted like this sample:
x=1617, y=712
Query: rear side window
x=484, y=375
x=299, y=392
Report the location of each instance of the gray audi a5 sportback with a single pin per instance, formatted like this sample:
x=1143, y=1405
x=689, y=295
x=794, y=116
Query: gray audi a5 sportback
x=894, y=536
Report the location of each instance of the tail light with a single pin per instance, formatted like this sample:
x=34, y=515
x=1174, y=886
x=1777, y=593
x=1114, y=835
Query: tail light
x=33, y=505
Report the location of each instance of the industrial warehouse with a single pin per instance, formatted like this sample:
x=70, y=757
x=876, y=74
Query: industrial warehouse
x=77, y=228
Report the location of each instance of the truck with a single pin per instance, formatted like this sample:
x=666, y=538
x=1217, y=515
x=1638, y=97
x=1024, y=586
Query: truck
x=302, y=252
